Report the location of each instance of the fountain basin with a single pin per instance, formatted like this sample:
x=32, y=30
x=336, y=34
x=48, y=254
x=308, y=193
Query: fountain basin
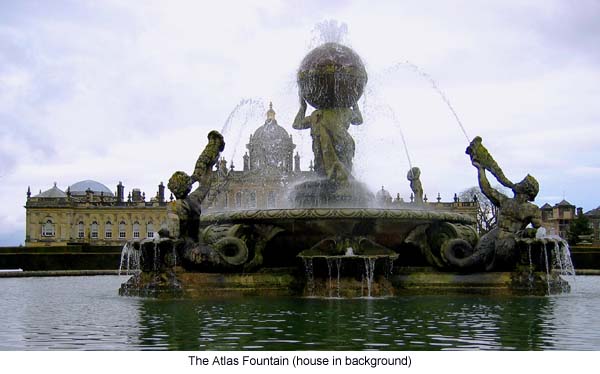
x=390, y=225
x=278, y=242
x=291, y=231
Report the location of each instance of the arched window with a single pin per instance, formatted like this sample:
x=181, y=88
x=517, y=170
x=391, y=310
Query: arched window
x=94, y=230
x=48, y=228
x=80, y=230
x=122, y=230
x=252, y=199
x=136, y=230
x=150, y=229
x=108, y=230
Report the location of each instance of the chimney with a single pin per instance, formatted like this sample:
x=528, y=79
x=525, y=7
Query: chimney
x=161, y=193
x=246, y=162
x=120, y=192
x=297, y=162
x=136, y=195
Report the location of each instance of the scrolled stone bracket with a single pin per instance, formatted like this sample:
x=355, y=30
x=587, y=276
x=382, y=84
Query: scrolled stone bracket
x=434, y=239
x=239, y=244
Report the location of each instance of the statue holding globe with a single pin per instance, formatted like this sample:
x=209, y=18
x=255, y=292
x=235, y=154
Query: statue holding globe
x=331, y=78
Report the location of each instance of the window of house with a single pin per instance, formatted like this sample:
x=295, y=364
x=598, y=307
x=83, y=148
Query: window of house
x=80, y=230
x=252, y=199
x=122, y=230
x=271, y=199
x=108, y=230
x=238, y=200
x=150, y=230
x=94, y=230
x=136, y=230
x=48, y=228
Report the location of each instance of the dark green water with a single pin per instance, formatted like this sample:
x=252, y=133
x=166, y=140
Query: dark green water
x=69, y=313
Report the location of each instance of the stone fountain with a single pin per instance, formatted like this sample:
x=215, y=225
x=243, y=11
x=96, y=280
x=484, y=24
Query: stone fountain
x=332, y=240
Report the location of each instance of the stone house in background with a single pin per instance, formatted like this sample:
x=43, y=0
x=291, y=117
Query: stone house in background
x=89, y=213
x=594, y=217
x=556, y=219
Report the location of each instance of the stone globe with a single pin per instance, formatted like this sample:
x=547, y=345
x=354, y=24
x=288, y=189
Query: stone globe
x=332, y=76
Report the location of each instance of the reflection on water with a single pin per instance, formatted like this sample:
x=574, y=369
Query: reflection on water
x=86, y=313
x=427, y=322
x=66, y=313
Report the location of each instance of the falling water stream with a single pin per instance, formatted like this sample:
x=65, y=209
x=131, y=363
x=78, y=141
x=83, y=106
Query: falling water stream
x=130, y=260
x=388, y=111
x=547, y=267
x=245, y=112
x=330, y=283
x=310, y=275
x=395, y=120
x=338, y=265
x=369, y=273
x=437, y=89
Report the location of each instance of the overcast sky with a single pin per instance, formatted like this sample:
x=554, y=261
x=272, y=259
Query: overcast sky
x=127, y=90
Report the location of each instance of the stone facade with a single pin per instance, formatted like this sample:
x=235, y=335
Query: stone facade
x=594, y=217
x=556, y=219
x=89, y=213
x=94, y=216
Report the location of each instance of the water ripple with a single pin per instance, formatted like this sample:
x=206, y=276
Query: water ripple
x=85, y=313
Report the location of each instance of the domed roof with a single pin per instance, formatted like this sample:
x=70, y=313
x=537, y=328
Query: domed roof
x=270, y=132
x=79, y=188
x=54, y=192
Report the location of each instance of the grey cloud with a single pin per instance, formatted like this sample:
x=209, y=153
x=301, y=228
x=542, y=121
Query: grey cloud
x=565, y=29
x=575, y=29
x=7, y=163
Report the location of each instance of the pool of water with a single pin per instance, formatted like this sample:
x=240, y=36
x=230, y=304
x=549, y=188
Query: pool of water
x=85, y=313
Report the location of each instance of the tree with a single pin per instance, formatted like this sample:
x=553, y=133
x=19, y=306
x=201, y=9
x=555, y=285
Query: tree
x=487, y=213
x=579, y=227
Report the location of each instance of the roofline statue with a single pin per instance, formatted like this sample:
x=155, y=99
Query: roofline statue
x=414, y=176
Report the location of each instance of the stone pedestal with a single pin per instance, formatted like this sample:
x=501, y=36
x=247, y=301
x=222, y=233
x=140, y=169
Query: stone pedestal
x=324, y=193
